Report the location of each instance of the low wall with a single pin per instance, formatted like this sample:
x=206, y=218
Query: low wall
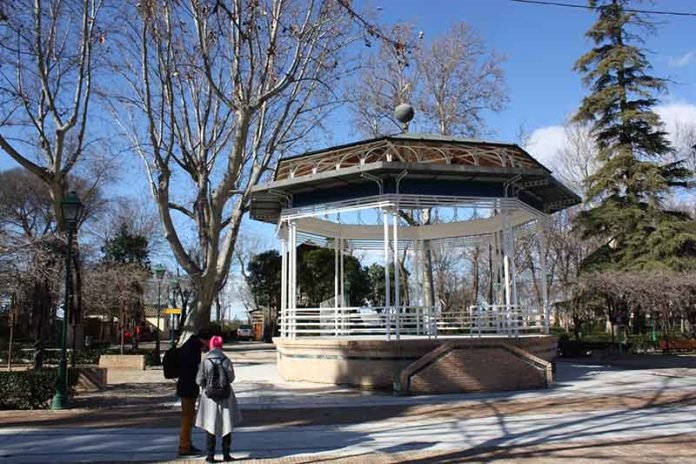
x=377, y=363
x=91, y=379
x=122, y=361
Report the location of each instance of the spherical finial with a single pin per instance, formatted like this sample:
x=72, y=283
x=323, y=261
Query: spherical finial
x=404, y=113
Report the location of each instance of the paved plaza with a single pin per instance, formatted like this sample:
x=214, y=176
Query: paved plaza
x=624, y=412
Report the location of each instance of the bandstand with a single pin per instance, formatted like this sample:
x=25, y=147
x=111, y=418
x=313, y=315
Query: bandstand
x=396, y=200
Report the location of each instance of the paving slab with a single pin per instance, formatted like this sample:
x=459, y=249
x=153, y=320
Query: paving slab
x=593, y=411
x=63, y=445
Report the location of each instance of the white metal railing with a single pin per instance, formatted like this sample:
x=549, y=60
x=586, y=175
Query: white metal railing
x=392, y=322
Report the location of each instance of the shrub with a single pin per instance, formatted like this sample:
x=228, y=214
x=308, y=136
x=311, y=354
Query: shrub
x=31, y=389
x=82, y=356
x=150, y=358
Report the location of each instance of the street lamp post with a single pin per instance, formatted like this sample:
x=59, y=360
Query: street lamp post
x=72, y=208
x=159, y=272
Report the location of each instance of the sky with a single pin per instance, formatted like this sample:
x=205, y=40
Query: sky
x=540, y=44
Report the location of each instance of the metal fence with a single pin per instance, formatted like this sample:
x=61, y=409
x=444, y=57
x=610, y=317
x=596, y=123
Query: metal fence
x=411, y=321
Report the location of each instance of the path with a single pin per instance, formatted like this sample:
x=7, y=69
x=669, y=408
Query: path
x=594, y=412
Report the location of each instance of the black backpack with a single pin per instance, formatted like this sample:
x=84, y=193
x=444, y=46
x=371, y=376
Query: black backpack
x=170, y=363
x=217, y=387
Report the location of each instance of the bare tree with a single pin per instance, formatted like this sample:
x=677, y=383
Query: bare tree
x=116, y=291
x=47, y=55
x=387, y=78
x=451, y=82
x=31, y=263
x=684, y=141
x=48, y=51
x=140, y=218
x=628, y=298
x=219, y=90
x=247, y=247
x=576, y=161
x=462, y=79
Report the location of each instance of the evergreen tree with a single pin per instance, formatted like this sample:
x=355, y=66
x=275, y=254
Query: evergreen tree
x=316, y=271
x=264, y=278
x=127, y=248
x=633, y=179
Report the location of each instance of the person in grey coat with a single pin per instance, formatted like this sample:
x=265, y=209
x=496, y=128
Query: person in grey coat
x=217, y=418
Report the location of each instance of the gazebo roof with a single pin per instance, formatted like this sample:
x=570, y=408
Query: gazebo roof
x=434, y=165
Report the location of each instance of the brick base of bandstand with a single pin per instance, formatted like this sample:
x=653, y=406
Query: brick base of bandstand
x=421, y=365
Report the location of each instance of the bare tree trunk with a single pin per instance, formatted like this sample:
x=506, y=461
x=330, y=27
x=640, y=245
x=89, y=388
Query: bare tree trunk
x=9, y=345
x=403, y=276
x=428, y=278
x=477, y=275
x=40, y=309
x=122, y=326
x=490, y=273
x=199, y=317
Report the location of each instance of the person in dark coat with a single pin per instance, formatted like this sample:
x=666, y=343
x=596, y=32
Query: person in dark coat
x=188, y=360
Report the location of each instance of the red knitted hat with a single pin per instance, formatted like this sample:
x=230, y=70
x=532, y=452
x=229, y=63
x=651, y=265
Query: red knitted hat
x=215, y=342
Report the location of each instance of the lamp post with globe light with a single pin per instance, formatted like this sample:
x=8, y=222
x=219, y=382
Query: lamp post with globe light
x=71, y=208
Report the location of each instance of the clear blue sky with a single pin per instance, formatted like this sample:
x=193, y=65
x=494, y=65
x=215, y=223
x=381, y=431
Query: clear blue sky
x=541, y=44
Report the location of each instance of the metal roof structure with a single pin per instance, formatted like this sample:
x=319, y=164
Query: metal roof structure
x=410, y=164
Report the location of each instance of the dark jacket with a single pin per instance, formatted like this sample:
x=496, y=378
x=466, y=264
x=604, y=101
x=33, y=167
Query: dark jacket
x=188, y=360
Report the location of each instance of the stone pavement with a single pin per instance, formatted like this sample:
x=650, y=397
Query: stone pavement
x=396, y=435
x=593, y=412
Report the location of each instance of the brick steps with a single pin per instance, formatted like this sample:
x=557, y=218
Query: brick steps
x=484, y=366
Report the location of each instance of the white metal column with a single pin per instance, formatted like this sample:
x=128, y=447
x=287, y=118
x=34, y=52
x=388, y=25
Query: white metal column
x=284, y=285
x=497, y=268
x=419, y=282
x=387, y=288
x=508, y=266
x=292, y=293
x=336, y=289
x=397, y=281
x=342, y=281
x=513, y=267
x=342, y=311
x=541, y=234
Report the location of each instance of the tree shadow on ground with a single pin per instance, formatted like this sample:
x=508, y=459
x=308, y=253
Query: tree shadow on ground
x=652, y=361
x=647, y=451
x=160, y=445
x=153, y=405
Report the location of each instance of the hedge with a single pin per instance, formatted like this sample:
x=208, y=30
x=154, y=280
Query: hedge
x=83, y=356
x=31, y=389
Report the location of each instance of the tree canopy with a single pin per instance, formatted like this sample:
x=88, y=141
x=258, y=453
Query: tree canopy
x=127, y=247
x=633, y=180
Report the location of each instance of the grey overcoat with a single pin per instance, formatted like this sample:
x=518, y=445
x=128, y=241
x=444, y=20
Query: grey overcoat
x=216, y=417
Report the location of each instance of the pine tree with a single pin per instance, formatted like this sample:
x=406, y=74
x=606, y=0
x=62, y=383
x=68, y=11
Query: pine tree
x=127, y=247
x=633, y=179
